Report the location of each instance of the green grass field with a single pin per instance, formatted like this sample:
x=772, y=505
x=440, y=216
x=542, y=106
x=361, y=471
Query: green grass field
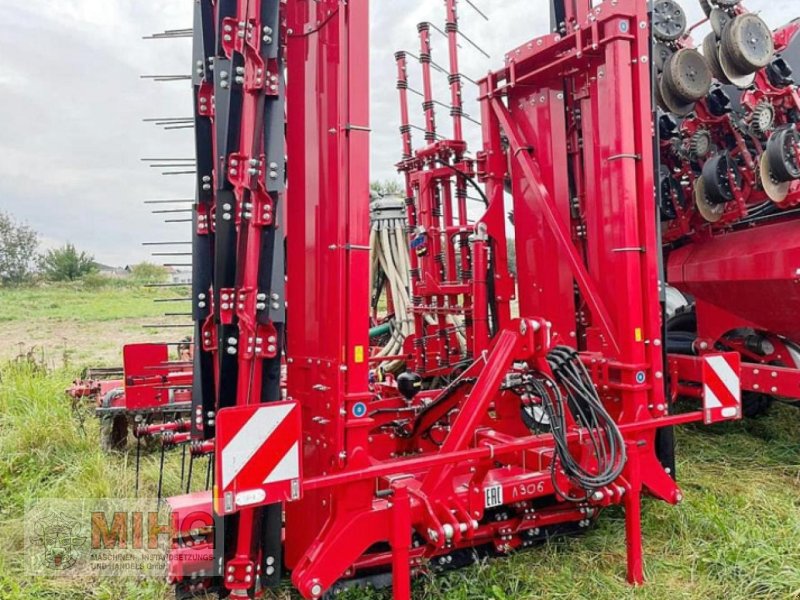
x=735, y=536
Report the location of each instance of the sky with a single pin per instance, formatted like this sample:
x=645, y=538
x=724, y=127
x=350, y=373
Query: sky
x=72, y=103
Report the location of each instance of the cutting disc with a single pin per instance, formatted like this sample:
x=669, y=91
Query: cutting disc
x=710, y=212
x=776, y=190
x=737, y=78
x=672, y=103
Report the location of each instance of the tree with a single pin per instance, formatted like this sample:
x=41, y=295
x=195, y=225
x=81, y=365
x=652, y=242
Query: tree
x=18, y=244
x=146, y=272
x=66, y=264
x=390, y=187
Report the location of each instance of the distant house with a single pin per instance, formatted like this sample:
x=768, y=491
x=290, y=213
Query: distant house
x=114, y=272
x=183, y=276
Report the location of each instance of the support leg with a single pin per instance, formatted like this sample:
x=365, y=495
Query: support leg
x=633, y=516
x=401, y=545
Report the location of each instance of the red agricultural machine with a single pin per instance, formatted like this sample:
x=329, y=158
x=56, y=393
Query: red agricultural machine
x=354, y=445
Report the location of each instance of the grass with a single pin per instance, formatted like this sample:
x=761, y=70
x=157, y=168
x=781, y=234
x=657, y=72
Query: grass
x=735, y=536
x=76, y=323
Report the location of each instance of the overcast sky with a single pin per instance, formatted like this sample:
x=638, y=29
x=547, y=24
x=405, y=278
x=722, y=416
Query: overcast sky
x=72, y=104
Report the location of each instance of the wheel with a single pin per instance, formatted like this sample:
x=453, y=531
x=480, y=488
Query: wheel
x=113, y=432
x=706, y=6
x=727, y=3
x=777, y=191
x=671, y=102
x=669, y=21
x=715, y=178
x=711, y=54
x=748, y=44
x=710, y=212
x=781, y=154
x=718, y=19
x=762, y=119
x=661, y=53
x=755, y=405
x=687, y=75
x=735, y=76
x=700, y=144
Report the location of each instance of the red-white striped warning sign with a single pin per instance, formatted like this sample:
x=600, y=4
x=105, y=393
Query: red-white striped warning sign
x=722, y=387
x=257, y=456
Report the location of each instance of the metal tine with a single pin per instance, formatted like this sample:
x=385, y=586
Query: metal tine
x=181, y=173
x=177, y=314
x=173, y=211
x=419, y=60
x=172, y=166
x=160, y=300
x=473, y=44
x=177, y=220
x=166, y=243
x=165, y=119
x=477, y=10
x=178, y=201
x=165, y=285
x=422, y=129
x=170, y=254
x=163, y=78
x=169, y=326
x=179, y=127
x=160, y=160
x=189, y=474
x=176, y=265
x=170, y=33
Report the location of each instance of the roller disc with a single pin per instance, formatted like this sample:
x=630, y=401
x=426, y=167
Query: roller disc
x=763, y=119
x=710, y=212
x=711, y=54
x=659, y=99
x=687, y=76
x=781, y=154
x=748, y=43
x=737, y=78
x=669, y=21
x=716, y=185
x=661, y=53
x=672, y=103
x=775, y=190
x=718, y=19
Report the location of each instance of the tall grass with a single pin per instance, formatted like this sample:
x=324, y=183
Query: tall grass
x=736, y=536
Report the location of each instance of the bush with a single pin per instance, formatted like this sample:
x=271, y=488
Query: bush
x=66, y=264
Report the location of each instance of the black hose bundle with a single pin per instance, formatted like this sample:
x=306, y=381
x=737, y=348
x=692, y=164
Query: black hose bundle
x=588, y=412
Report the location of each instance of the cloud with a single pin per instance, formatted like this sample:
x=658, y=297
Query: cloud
x=72, y=102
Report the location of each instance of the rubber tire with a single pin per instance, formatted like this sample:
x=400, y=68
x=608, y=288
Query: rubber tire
x=716, y=191
x=671, y=102
x=669, y=6
x=755, y=405
x=114, y=433
x=687, y=75
x=777, y=163
x=661, y=54
x=711, y=54
x=735, y=38
x=718, y=20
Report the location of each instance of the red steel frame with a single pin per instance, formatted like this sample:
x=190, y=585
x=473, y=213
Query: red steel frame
x=568, y=121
